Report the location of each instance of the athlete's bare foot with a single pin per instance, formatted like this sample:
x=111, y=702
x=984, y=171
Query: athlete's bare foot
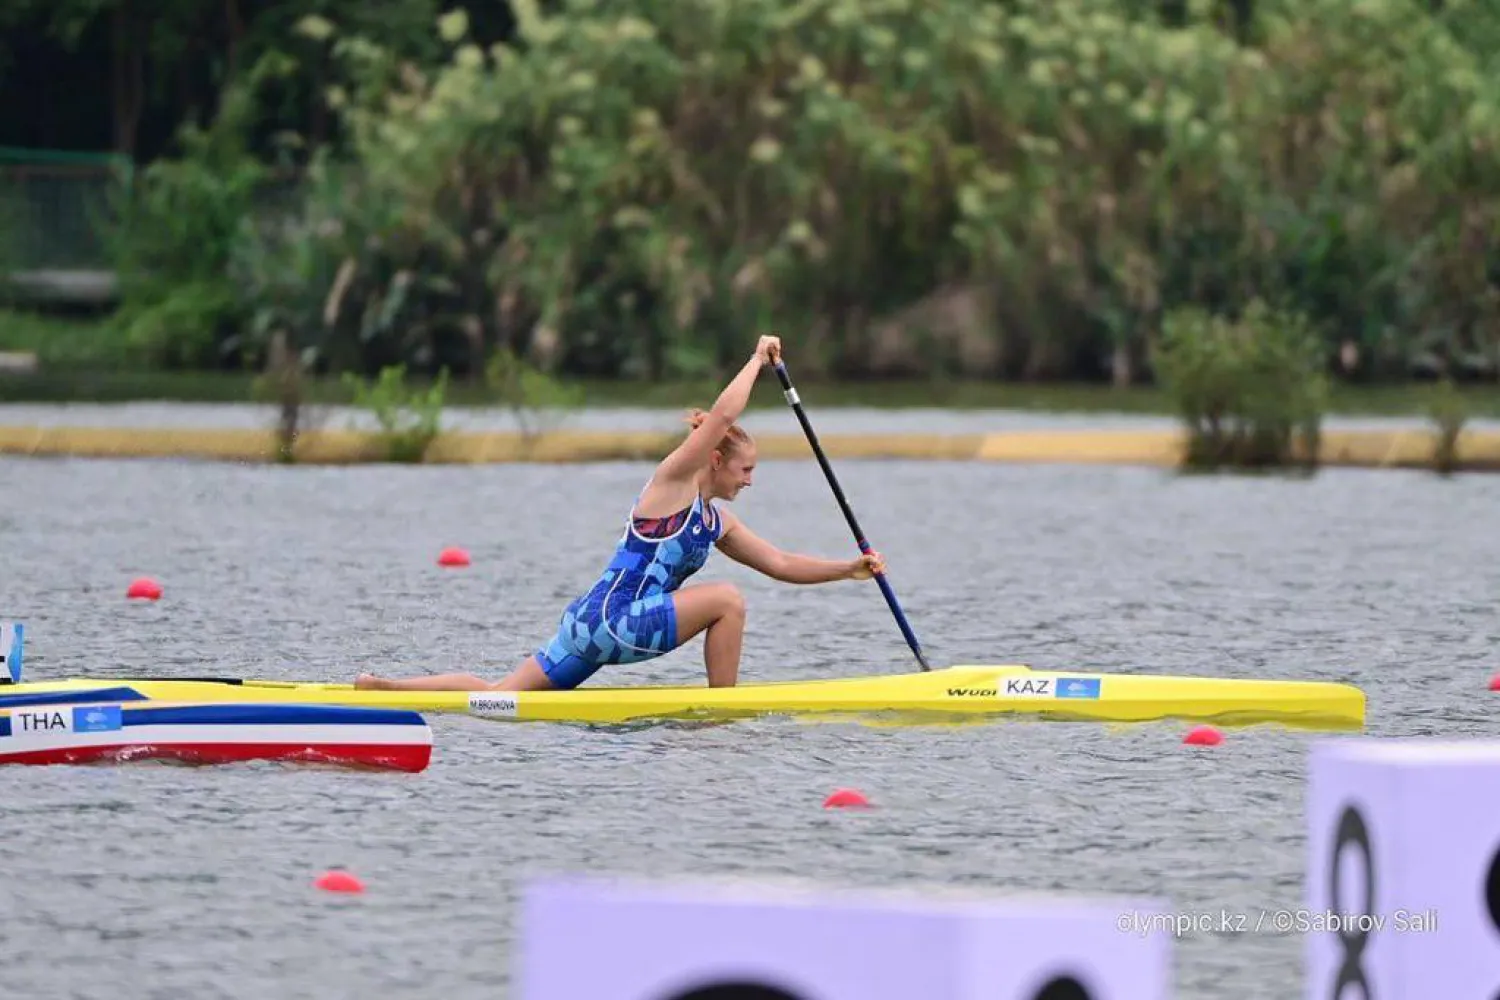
x=369, y=682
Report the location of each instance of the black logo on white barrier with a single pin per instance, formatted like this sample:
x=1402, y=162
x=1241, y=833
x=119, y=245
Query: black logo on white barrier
x=1492, y=893
x=1352, y=834
x=1061, y=988
x=737, y=991
x=1492, y=889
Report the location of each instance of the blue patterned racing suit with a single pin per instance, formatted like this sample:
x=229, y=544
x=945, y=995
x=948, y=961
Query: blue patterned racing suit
x=627, y=616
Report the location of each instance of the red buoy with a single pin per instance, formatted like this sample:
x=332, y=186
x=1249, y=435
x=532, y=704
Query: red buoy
x=453, y=557
x=339, y=880
x=1495, y=683
x=143, y=589
x=846, y=798
x=1203, y=736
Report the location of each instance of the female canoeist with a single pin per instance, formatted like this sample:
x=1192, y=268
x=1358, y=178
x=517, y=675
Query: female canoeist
x=638, y=609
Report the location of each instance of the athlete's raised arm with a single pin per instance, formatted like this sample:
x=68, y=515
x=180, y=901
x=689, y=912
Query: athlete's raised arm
x=689, y=458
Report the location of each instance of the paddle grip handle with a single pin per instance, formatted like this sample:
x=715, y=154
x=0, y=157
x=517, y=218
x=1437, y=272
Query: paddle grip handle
x=859, y=536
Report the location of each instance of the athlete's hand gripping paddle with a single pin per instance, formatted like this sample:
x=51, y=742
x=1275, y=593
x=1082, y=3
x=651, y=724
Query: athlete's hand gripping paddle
x=859, y=536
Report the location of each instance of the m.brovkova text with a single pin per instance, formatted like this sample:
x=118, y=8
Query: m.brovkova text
x=1182, y=923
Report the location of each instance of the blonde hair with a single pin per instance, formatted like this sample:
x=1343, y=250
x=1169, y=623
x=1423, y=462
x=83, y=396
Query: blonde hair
x=732, y=441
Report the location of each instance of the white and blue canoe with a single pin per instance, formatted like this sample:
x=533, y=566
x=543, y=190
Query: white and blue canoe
x=111, y=723
x=116, y=723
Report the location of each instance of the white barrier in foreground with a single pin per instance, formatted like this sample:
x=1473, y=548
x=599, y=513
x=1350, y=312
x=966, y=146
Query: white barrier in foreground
x=1403, y=873
x=607, y=940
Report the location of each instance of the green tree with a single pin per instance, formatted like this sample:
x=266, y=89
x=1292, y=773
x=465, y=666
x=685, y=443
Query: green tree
x=1024, y=189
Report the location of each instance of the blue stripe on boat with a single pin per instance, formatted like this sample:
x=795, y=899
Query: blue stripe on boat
x=270, y=715
x=71, y=697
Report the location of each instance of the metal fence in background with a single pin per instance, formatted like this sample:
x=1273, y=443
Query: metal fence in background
x=54, y=209
x=53, y=206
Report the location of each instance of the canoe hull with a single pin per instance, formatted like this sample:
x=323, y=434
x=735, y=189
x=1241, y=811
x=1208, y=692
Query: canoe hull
x=380, y=756
x=945, y=694
x=88, y=730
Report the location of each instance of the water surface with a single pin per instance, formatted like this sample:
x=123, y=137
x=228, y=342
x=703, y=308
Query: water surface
x=155, y=881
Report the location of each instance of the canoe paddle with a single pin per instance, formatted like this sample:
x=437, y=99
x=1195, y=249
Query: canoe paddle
x=838, y=493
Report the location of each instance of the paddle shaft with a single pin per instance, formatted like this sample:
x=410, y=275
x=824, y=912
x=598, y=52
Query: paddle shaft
x=838, y=493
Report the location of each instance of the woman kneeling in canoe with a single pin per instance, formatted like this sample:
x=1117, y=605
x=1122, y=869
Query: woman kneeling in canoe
x=636, y=611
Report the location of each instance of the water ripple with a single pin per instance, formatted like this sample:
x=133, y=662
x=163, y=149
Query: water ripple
x=197, y=881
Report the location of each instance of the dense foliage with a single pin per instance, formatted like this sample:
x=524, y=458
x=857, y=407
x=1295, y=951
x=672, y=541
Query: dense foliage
x=1251, y=391
x=1024, y=189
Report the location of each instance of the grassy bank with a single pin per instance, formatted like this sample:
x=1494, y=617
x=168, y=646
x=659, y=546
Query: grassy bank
x=54, y=385
x=1399, y=449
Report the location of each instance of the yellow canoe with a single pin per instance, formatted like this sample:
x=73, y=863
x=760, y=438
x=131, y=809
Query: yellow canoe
x=952, y=693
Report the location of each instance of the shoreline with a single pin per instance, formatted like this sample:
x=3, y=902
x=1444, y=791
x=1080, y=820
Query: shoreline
x=110, y=386
x=1477, y=451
